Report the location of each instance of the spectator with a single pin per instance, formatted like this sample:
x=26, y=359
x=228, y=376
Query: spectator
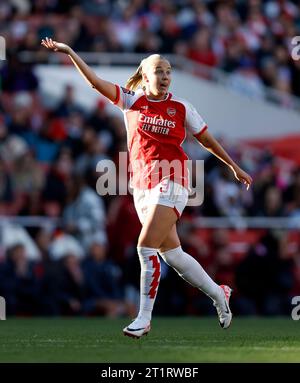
x=256, y=278
x=47, y=273
x=67, y=105
x=18, y=283
x=55, y=191
x=84, y=214
x=11, y=145
x=227, y=195
x=224, y=262
x=27, y=176
x=6, y=189
x=200, y=49
x=293, y=190
x=94, y=151
x=21, y=113
x=17, y=76
x=71, y=285
x=246, y=81
x=104, y=282
x=273, y=203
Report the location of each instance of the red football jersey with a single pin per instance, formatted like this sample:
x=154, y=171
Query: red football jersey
x=156, y=130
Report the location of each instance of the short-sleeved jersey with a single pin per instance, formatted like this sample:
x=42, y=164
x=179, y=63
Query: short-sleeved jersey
x=156, y=130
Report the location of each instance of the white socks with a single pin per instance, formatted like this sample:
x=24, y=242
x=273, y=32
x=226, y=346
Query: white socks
x=150, y=277
x=191, y=271
x=185, y=265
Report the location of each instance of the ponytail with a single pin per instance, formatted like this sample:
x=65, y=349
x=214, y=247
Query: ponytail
x=135, y=80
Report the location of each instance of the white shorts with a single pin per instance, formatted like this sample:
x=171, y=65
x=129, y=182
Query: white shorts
x=167, y=193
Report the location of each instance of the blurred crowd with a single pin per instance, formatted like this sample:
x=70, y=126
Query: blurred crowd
x=251, y=40
x=86, y=264
x=263, y=268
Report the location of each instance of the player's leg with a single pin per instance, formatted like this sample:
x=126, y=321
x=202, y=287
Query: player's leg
x=158, y=222
x=187, y=266
x=191, y=271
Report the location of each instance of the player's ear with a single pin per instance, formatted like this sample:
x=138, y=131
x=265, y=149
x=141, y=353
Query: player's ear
x=145, y=78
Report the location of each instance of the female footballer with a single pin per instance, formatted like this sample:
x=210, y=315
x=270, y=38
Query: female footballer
x=156, y=122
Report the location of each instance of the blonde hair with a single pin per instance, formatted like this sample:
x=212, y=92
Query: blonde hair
x=137, y=78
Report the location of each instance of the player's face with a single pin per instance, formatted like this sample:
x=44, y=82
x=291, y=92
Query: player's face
x=158, y=78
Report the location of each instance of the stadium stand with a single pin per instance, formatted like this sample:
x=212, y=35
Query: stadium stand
x=48, y=156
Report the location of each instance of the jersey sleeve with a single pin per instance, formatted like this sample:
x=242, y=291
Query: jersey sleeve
x=125, y=97
x=194, y=122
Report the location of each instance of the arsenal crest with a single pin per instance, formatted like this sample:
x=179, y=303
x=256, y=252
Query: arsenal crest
x=171, y=112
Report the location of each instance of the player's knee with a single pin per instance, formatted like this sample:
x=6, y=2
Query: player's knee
x=171, y=256
x=149, y=240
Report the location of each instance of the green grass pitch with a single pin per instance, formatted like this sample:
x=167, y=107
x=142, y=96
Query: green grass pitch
x=170, y=340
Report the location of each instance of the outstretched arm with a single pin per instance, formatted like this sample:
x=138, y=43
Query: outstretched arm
x=213, y=146
x=104, y=87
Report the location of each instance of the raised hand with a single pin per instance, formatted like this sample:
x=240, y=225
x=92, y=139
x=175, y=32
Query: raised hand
x=55, y=46
x=242, y=176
